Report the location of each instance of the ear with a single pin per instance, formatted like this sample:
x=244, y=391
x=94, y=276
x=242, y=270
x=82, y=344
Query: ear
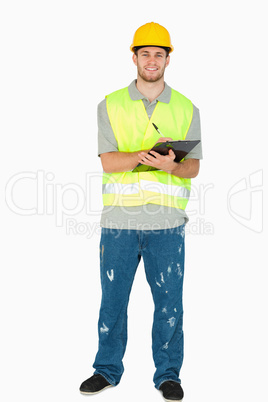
x=134, y=58
x=167, y=60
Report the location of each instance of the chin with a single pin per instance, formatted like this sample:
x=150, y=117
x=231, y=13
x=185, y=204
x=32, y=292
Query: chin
x=150, y=79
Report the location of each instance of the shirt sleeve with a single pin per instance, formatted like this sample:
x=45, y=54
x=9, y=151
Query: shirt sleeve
x=106, y=139
x=194, y=133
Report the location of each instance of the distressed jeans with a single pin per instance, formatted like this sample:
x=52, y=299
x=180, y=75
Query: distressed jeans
x=163, y=255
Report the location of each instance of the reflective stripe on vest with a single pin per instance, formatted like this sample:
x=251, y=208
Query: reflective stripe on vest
x=120, y=188
x=134, y=188
x=134, y=131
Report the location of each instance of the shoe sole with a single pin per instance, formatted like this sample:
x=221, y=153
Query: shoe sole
x=95, y=392
x=173, y=400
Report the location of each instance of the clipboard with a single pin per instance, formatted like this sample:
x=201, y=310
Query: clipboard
x=180, y=148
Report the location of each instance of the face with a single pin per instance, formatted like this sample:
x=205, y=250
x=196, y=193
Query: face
x=151, y=63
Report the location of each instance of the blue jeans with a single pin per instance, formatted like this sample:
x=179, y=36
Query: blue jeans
x=163, y=256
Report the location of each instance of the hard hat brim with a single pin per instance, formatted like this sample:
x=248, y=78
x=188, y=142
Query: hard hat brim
x=132, y=47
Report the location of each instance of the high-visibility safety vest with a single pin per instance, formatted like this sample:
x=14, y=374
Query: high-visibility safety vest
x=134, y=131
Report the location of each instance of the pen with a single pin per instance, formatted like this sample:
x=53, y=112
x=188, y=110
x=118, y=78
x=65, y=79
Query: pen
x=157, y=129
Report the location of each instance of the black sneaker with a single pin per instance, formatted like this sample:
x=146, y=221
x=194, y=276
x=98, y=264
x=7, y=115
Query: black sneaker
x=172, y=391
x=94, y=385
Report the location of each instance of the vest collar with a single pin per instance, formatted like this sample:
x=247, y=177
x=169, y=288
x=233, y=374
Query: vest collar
x=135, y=94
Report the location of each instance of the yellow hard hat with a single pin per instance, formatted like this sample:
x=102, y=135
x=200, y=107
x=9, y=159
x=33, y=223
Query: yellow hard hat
x=151, y=34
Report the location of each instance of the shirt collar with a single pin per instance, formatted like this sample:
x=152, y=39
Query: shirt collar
x=135, y=94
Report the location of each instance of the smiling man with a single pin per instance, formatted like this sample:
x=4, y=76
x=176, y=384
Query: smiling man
x=144, y=213
x=151, y=64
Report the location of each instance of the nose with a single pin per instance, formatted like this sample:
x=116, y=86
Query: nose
x=152, y=59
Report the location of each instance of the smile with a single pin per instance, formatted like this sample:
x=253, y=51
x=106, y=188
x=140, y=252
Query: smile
x=151, y=68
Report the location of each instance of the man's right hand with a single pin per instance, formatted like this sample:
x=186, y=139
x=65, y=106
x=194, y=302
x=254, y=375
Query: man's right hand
x=113, y=162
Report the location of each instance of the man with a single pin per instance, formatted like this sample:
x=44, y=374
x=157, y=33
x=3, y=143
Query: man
x=144, y=212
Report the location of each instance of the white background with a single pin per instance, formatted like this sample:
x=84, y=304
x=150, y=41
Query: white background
x=58, y=60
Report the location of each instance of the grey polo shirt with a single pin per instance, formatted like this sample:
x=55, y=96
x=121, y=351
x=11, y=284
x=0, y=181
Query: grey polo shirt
x=149, y=216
